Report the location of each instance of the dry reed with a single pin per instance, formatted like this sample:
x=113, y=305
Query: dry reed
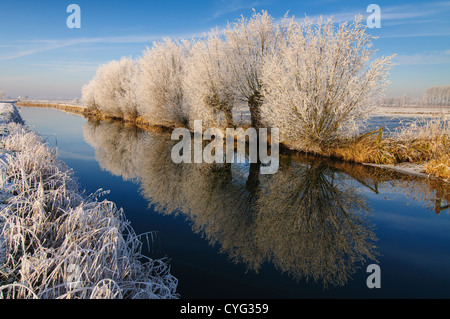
x=422, y=141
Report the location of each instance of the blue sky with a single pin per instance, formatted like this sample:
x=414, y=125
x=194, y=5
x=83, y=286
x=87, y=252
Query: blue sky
x=42, y=58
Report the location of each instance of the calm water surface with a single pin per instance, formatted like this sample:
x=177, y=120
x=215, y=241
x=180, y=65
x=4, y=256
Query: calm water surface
x=308, y=231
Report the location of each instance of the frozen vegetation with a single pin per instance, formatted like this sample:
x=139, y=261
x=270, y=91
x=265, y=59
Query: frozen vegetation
x=311, y=79
x=57, y=242
x=435, y=96
x=317, y=81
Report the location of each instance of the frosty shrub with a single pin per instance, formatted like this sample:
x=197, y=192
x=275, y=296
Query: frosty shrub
x=126, y=96
x=105, y=85
x=88, y=95
x=250, y=41
x=208, y=82
x=160, y=88
x=321, y=81
x=313, y=80
x=112, y=90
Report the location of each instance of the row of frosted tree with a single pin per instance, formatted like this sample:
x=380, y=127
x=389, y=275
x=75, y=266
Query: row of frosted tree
x=437, y=95
x=312, y=79
x=433, y=96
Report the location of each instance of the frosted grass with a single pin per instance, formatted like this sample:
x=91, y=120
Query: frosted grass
x=58, y=243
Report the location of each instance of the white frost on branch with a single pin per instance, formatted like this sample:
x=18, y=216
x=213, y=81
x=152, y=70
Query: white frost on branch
x=113, y=89
x=321, y=82
x=313, y=80
x=160, y=89
x=209, y=82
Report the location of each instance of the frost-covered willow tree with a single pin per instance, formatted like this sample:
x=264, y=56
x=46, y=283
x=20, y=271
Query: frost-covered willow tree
x=126, y=96
x=100, y=92
x=88, y=95
x=113, y=89
x=250, y=41
x=437, y=95
x=321, y=82
x=160, y=86
x=311, y=80
x=208, y=82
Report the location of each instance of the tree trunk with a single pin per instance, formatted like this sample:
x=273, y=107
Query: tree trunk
x=254, y=104
x=252, y=183
x=229, y=118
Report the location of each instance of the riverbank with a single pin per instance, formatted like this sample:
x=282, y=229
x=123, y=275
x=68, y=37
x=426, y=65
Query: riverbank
x=409, y=156
x=75, y=109
x=58, y=242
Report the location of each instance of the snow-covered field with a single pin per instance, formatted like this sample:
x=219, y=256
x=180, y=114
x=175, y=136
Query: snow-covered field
x=411, y=111
x=241, y=115
x=71, y=102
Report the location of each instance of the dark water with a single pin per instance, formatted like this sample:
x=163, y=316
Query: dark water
x=308, y=231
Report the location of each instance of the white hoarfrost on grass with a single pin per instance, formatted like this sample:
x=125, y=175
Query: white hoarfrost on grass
x=56, y=242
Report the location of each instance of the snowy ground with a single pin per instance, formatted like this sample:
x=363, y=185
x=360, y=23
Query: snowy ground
x=70, y=102
x=404, y=168
x=411, y=111
x=241, y=115
x=8, y=113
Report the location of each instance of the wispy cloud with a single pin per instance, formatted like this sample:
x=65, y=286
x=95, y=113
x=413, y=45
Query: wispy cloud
x=396, y=14
x=26, y=48
x=423, y=58
x=390, y=15
x=224, y=7
x=436, y=33
x=68, y=66
x=417, y=12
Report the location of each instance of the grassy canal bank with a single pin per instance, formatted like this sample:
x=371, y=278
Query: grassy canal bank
x=58, y=242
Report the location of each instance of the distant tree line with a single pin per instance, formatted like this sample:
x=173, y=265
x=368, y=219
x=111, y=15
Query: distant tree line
x=437, y=95
x=433, y=96
x=311, y=79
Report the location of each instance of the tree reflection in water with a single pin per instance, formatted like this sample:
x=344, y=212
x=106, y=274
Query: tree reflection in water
x=313, y=224
x=309, y=219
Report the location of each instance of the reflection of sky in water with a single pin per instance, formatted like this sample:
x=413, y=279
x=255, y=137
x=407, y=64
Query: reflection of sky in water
x=59, y=129
x=223, y=226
